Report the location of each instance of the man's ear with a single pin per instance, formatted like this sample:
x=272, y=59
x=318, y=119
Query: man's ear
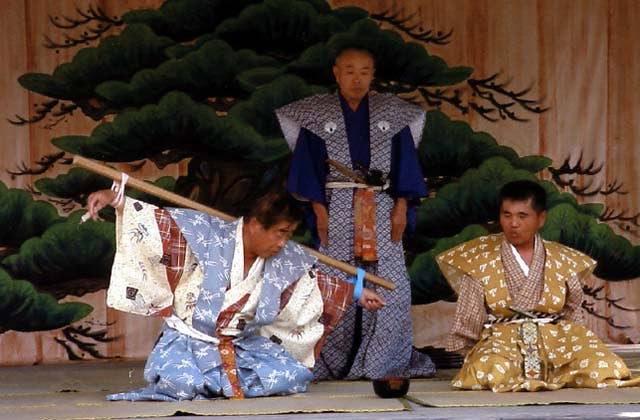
x=542, y=218
x=335, y=71
x=252, y=224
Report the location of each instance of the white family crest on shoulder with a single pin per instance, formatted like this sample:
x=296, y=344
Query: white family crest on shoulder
x=330, y=127
x=384, y=125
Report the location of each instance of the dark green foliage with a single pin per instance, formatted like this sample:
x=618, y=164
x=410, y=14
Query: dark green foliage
x=176, y=121
x=24, y=309
x=397, y=61
x=556, y=198
x=349, y=15
x=21, y=217
x=184, y=20
x=281, y=28
x=249, y=132
x=449, y=148
x=78, y=183
x=427, y=282
x=258, y=110
x=312, y=65
x=252, y=79
x=617, y=258
x=209, y=71
x=72, y=184
x=165, y=182
x=64, y=252
x=25, y=222
x=116, y=58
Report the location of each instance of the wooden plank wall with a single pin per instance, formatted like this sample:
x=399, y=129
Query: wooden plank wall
x=579, y=56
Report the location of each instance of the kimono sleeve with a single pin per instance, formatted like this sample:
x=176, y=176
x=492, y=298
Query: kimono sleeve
x=406, y=174
x=308, y=170
x=139, y=283
x=310, y=310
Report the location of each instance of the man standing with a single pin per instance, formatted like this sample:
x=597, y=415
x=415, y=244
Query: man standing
x=355, y=161
x=519, y=313
x=245, y=313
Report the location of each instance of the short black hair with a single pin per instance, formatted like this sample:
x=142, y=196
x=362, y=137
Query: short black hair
x=523, y=190
x=274, y=207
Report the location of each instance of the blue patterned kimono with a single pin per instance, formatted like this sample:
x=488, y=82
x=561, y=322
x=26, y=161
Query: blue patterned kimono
x=381, y=134
x=202, y=340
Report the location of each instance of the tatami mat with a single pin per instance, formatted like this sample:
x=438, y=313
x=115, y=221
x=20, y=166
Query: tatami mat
x=78, y=392
x=439, y=394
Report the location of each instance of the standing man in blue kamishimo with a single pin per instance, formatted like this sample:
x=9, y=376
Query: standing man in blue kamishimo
x=355, y=161
x=245, y=313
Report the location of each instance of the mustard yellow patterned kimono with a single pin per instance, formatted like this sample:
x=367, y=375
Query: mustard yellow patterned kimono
x=517, y=353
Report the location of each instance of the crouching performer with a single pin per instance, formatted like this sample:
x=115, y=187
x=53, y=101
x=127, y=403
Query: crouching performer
x=519, y=315
x=245, y=312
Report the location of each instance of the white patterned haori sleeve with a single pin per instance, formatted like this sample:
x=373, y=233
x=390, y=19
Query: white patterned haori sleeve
x=297, y=326
x=138, y=284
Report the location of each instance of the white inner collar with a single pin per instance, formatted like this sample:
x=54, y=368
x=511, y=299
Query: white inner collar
x=523, y=265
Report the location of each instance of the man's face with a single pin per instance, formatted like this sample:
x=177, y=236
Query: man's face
x=354, y=72
x=520, y=222
x=266, y=243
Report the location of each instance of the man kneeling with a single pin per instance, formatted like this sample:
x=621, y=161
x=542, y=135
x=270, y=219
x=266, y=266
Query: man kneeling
x=519, y=307
x=245, y=312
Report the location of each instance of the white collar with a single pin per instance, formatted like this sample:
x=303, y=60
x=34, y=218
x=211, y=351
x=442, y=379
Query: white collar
x=237, y=266
x=523, y=265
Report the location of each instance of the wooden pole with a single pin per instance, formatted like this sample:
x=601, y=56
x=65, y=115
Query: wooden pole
x=181, y=201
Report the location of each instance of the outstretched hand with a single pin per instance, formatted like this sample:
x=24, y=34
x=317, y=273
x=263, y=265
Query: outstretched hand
x=98, y=200
x=370, y=300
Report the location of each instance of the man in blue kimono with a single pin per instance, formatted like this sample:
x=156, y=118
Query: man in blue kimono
x=355, y=161
x=245, y=312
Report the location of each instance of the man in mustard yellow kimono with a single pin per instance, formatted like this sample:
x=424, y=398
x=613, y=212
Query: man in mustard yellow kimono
x=519, y=315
